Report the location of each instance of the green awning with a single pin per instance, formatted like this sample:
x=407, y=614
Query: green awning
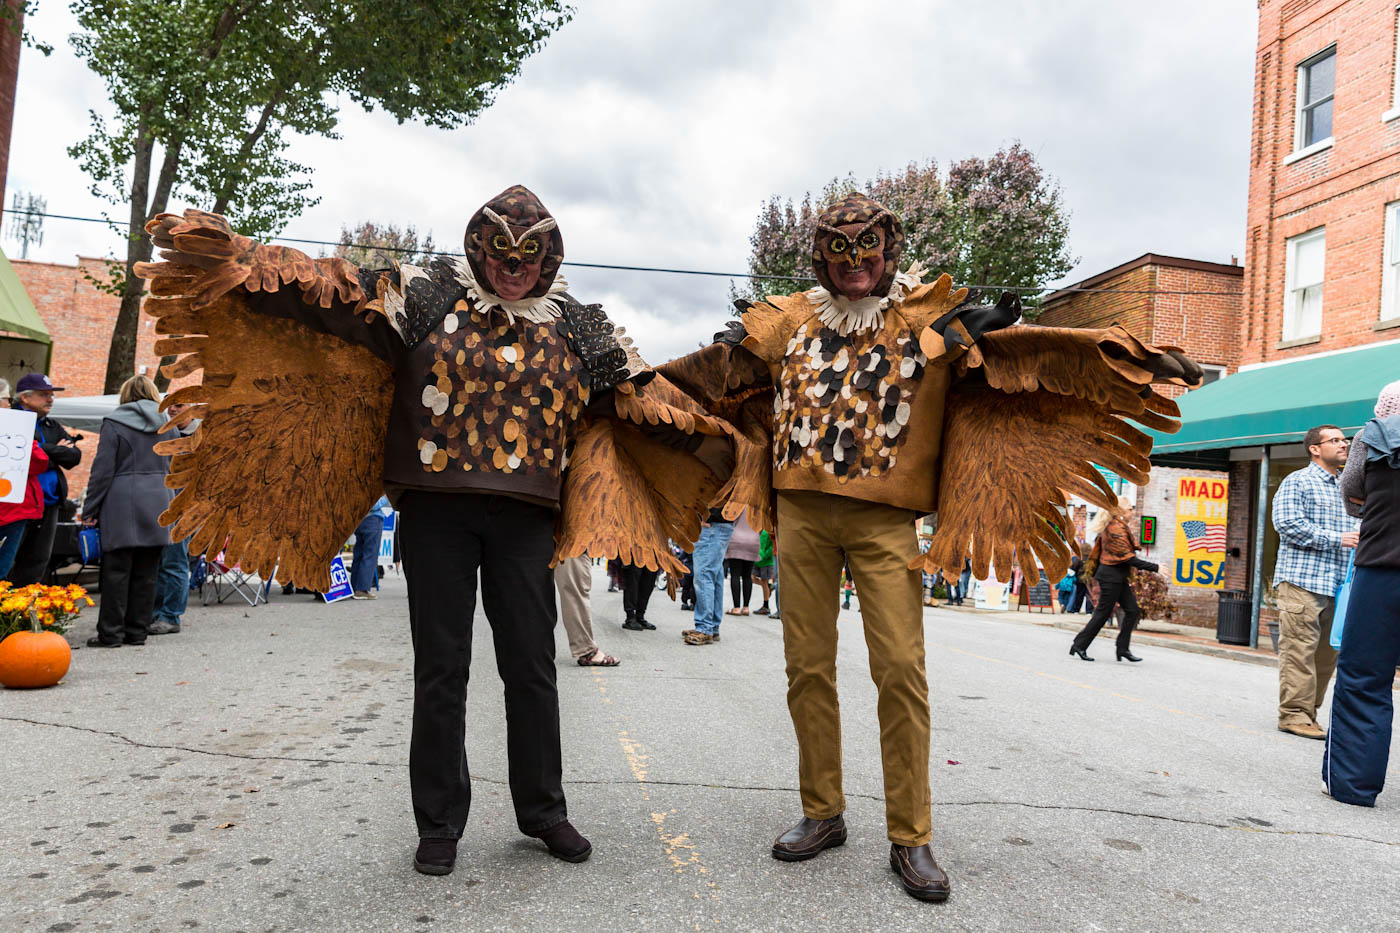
x=1277, y=404
x=17, y=314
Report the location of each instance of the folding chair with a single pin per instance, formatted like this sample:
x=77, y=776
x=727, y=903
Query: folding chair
x=222, y=581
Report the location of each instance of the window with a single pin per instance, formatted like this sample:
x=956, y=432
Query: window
x=1213, y=373
x=1390, y=264
x=1316, y=79
x=1302, y=311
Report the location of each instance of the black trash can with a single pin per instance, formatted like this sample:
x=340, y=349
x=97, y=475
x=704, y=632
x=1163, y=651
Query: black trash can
x=1232, y=618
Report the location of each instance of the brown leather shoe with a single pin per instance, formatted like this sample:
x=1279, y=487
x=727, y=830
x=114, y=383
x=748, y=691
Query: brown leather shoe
x=1307, y=730
x=919, y=873
x=809, y=838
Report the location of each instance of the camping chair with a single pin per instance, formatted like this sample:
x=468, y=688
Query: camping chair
x=222, y=581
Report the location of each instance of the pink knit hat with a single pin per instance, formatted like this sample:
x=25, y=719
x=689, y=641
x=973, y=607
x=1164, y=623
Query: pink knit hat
x=1389, y=402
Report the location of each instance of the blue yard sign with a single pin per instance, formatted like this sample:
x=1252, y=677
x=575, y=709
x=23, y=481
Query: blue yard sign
x=340, y=582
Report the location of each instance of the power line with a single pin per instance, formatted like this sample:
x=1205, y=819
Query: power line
x=625, y=268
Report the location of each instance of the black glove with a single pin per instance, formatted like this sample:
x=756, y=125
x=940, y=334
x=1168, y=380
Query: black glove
x=734, y=331
x=978, y=319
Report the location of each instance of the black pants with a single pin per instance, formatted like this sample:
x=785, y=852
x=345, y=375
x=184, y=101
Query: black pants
x=1113, y=589
x=638, y=584
x=128, y=578
x=740, y=581
x=688, y=589
x=32, y=561
x=447, y=538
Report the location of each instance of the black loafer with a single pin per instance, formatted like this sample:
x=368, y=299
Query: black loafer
x=810, y=838
x=632, y=625
x=565, y=842
x=95, y=642
x=435, y=856
x=919, y=873
x=646, y=625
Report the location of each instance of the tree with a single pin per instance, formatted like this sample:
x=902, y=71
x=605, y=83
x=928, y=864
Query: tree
x=997, y=222
x=208, y=93
x=375, y=246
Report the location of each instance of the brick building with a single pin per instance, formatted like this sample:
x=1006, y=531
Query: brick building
x=1320, y=333
x=79, y=318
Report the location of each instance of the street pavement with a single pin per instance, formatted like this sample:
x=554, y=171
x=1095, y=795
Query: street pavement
x=249, y=774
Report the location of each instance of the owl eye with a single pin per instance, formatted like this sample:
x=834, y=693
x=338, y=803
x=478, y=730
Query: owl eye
x=869, y=239
x=530, y=247
x=499, y=243
x=838, y=245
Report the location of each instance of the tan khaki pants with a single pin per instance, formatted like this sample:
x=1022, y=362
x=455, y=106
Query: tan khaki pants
x=573, y=578
x=1306, y=659
x=818, y=532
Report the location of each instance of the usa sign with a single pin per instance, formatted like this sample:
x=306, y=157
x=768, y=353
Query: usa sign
x=1202, y=507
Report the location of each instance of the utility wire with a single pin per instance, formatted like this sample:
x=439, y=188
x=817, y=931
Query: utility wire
x=622, y=268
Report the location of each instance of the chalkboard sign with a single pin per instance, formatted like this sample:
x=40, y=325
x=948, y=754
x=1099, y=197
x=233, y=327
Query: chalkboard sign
x=1040, y=596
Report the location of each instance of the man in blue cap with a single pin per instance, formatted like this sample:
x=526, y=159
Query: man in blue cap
x=34, y=392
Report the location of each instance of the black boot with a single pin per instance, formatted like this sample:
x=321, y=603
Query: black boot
x=565, y=842
x=1080, y=653
x=632, y=625
x=435, y=856
x=1127, y=655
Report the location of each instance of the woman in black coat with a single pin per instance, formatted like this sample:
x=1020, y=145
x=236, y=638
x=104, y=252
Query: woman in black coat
x=126, y=494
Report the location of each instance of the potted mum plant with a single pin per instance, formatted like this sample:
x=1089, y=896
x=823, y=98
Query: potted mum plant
x=33, y=651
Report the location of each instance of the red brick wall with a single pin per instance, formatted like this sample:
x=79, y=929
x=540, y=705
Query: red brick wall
x=9, y=77
x=1344, y=188
x=80, y=318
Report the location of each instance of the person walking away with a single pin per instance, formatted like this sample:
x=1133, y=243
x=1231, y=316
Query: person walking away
x=740, y=558
x=16, y=516
x=1363, y=706
x=125, y=496
x=1066, y=589
x=573, y=579
x=1115, y=553
x=763, y=570
x=1314, y=532
x=364, y=560
x=1080, y=596
x=638, y=583
x=34, y=392
x=709, y=579
x=173, y=577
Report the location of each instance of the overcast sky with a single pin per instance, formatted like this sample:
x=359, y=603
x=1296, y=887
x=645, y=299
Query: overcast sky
x=655, y=131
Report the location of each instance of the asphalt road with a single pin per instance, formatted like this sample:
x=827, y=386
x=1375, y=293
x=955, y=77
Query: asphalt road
x=249, y=774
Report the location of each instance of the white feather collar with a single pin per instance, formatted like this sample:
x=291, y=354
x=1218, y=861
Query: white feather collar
x=868, y=314
x=539, y=310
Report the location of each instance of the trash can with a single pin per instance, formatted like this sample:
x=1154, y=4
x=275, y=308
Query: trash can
x=1232, y=618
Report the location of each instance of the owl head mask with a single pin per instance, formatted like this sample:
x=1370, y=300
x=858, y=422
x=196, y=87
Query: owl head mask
x=856, y=248
x=513, y=245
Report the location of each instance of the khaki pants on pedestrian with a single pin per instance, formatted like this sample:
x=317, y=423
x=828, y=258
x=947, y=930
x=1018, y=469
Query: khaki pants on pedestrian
x=1306, y=658
x=573, y=578
x=819, y=531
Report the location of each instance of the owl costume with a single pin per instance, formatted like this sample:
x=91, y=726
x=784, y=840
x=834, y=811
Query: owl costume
x=857, y=416
x=509, y=434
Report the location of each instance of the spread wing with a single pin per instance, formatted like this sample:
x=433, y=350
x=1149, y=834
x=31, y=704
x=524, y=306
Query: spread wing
x=1036, y=409
x=288, y=455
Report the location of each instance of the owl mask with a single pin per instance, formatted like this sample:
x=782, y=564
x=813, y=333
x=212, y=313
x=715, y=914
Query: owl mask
x=854, y=231
x=513, y=245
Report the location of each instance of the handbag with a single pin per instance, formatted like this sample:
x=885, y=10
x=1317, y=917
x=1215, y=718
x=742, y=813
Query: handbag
x=90, y=545
x=1339, y=612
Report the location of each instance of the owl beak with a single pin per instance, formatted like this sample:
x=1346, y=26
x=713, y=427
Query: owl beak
x=855, y=258
x=513, y=262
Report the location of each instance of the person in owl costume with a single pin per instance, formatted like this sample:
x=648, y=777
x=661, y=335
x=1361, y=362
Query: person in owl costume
x=875, y=398
x=511, y=425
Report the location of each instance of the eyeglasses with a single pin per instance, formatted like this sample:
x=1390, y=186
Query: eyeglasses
x=1334, y=440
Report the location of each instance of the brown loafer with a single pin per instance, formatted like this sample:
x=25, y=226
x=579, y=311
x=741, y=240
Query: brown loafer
x=809, y=838
x=919, y=873
x=1307, y=730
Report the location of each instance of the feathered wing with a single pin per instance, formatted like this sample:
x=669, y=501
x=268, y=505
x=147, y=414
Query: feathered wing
x=288, y=455
x=1026, y=431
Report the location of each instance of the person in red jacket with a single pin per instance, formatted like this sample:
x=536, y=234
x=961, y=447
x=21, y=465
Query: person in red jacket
x=15, y=515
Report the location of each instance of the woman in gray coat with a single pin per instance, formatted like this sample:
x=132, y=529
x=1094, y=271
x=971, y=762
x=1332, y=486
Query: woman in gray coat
x=126, y=494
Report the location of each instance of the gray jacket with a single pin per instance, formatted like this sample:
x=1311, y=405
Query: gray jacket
x=126, y=491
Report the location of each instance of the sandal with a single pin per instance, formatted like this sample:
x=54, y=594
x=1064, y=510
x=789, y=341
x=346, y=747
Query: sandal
x=598, y=659
x=733, y=612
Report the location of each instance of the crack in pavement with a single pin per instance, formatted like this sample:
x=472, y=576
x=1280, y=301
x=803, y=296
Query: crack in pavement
x=1107, y=811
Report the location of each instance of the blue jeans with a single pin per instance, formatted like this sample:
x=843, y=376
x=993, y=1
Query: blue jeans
x=13, y=533
x=173, y=583
x=364, y=563
x=709, y=575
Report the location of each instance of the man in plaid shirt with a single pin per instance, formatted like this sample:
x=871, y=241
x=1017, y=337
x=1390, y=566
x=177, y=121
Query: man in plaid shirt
x=1314, y=532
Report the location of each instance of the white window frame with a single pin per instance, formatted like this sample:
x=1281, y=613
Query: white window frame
x=1220, y=371
x=1300, y=149
x=1390, y=264
x=1293, y=294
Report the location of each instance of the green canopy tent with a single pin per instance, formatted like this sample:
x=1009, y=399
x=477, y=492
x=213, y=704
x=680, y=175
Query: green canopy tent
x=1269, y=406
x=25, y=344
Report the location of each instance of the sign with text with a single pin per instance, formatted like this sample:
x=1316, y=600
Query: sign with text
x=16, y=447
x=340, y=582
x=1202, y=504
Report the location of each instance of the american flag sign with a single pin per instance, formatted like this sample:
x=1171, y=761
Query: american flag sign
x=1203, y=536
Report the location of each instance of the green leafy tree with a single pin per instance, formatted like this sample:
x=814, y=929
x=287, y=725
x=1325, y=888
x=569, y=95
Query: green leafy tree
x=996, y=222
x=207, y=95
x=380, y=246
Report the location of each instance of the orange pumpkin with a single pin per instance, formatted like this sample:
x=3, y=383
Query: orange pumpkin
x=34, y=659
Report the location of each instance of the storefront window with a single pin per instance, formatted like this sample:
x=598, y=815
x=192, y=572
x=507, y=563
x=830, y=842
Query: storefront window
x=1278, y=469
